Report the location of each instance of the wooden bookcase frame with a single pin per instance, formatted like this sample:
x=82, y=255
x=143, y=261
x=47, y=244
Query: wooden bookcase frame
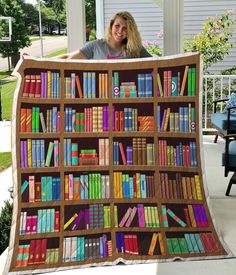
x=151, y=64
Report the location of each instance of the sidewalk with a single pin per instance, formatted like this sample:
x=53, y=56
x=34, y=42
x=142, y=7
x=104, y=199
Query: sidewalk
x=5, y=134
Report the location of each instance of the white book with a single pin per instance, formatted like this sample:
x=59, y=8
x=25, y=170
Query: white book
x=73, y=249
x=107, y=186
x=71, y=187
x=106, y=153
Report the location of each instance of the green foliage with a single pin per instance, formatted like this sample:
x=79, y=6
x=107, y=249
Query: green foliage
x=92, y=35
x=90, y=11
x=5, y=160
x=5, y=224
x=7, y=92
x=31, y=15
x=214, y=39
x=153, y=48
x=20, y=38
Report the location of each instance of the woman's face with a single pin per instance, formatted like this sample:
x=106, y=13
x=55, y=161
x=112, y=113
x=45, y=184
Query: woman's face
x=119, y=30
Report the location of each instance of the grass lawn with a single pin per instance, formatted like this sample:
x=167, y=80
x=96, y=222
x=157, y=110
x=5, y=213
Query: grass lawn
x=63, y=51
x=7, y=92
x=5, y=161
x=4, y=74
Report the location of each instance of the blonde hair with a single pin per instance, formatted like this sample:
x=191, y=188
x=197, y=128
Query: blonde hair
x=132, y=45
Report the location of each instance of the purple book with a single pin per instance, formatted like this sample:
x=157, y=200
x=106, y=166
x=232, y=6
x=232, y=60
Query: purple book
x=105, y=118
x=87, y=219
x=42, y=85
x=25, y=154
x=22, y=162
x=163, y=120
x=197, y=215
x=205, y=222
x=129, y=155
x=78, y=220
x=141, y=219
x=105, y=248
x=45, y=88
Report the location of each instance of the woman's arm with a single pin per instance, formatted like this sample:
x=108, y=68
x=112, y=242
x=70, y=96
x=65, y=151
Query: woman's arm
x=74, y=55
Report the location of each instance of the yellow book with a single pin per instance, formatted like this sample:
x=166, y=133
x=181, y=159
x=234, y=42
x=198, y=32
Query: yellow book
x=49, y=74
x=159, y=84
x=157, y=222
x=193, y=188
x=152, y=244
x=161, y=243
x=29, y=145
x=70, y=221
x=120, y=185
x=191, y=215
x=184, y=185
x=189, y=190
x=106, y=85
x=149, y=216
x=138, y=185
x=153, y=218
x=167, y=119
x=115, y=185
x=198, y=188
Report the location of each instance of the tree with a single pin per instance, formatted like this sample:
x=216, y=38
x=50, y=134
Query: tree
x=20, y=38
x=214, y=39
x=31, y=16
x=5, y=225
x=90, y=10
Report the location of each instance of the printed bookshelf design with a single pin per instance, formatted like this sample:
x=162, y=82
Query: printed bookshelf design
x=108, y=164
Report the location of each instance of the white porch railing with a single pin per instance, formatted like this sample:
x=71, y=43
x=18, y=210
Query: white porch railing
x=215, y=87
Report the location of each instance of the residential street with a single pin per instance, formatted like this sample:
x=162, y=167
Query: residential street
x=50, y=44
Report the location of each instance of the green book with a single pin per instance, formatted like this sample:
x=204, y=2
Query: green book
x=115, y=216
x=193, y=84
x=37, y=111
x=175, y=246
x=169, y=246
x=189, y=81
x=49, y=154
x=183, y=245
x=49, y=189
x=33, y=119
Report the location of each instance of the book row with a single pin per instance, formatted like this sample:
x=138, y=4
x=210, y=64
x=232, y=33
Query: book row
x=180, y=187
x=72, y=157
x=46, y=220
x=33, y=153
x=192, y=243
x=173, y=84
x=81, y=248
x=36, y=253
x=129, y=89
x=87, y=186
x=139, y=153
x=177, y=155
x=188, y=215
x=47, y=188
x=140, y=216
x=33, y=121
x=73, y=87
x=92, y=216
x=44, y=85
x=94, y=119
x=136, y=186
x=182, y=121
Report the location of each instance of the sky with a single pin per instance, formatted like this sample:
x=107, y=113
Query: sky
x=31, y=1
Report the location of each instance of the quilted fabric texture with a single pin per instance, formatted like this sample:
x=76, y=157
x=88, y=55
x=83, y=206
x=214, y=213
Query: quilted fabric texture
x=231, y=103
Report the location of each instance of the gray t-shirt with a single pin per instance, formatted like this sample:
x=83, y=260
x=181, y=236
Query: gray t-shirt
x=99, y=49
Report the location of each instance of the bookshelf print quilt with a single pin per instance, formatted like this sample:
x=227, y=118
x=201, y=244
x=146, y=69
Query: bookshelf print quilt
x=107, y=164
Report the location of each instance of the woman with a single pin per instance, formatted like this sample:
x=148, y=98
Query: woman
x=122, y=40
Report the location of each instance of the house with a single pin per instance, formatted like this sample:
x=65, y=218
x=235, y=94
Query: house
x=149, y=17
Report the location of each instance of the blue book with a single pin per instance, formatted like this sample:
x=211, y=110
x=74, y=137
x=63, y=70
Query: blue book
x=130, y=119
x=93, y=85
x=67, y=119
x=131, y=187
x=54, y=119
x=78, y=249
x=70, y=120
x=181, y=119
x=186, y=121
x=38, y=153
x=54, y=189
x=141, y=85
x=33, y=148
x=148, y=85
x=39, y=221
x=194, y=154
x=58, y=189
x=143, y=185
x=82, y=188
x=42, y=152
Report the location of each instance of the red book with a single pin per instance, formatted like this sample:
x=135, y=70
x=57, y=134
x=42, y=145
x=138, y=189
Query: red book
x=42, y=255
x=31, y=259
x=135, y=244
x=135, y=186
x=205, y=242
x=77, y=81
x=38, y=247
x=117, y=121
x=122, y=153
x=212, y=242
x=187, y=218
x=127, y=244
x=26, y=90
x=38, y=86
x=57, y=221
x=121, y=121
x=32, y=86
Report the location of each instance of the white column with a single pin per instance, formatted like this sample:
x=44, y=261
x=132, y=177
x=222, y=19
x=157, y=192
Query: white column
x=76, y=26
x=173, y=26
x=99, y=18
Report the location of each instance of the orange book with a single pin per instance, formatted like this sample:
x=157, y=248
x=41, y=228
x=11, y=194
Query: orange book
x=57, y=221
x=37, y=191
x=106, y=85
x=28, y=120
x=122, y=153
x=152, y=244
x=78, y=86
x=191, y=215
x=193, y=188
x=76, y=188
x=189, y=189
x=66, y=187
x=23, y=120
x=184, y=80
x=121, y=119
x=20, y=253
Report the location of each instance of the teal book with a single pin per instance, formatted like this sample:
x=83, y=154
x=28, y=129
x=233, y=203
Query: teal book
x=189, y=243
x=174, y=86
x=194, y=243
x=43, y=188
x=24, y=186
x=49, y=189
x=52, y=220
x=86, y=182
x=131, y=187
x=44, y=221
x=48, y=220
x=199, y=243
x=39, y=222
x=82, y=248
